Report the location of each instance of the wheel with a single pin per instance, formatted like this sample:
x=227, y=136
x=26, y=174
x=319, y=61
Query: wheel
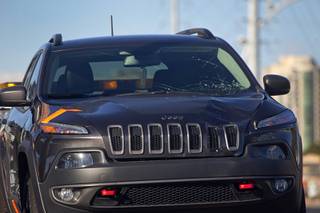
x=28, y=199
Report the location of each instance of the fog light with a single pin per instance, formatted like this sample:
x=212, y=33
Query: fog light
x=281, y=185
x=275, y=153
x=68, y=195
x=79, y=160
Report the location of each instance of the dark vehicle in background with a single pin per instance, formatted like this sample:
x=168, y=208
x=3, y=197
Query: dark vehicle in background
x=145, y=123
x=4, y=110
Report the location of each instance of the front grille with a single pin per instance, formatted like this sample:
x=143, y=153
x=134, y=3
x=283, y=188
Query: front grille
x=116, y=139
x=136, y=142
x=194, y=137
x=172, y=140
x=155, y=138
x=175, y=138
x=232, y=137
x=177, y=194
x=213, y=139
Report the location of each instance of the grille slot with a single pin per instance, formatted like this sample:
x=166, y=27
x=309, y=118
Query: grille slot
x=178, y=194
x=231, y=133
x=136, y=141
x=213, y=139
x=155, y=135
x=194, y=137
x=175, y=138
x=116, y=139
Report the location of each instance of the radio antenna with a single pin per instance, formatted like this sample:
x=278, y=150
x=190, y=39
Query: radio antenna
x=111, y=22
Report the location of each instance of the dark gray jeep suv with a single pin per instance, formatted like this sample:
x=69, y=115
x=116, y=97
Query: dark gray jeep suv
x=147, y=123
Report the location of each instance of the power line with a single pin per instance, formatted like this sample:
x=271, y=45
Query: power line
x=303, y=32
x=315, y=19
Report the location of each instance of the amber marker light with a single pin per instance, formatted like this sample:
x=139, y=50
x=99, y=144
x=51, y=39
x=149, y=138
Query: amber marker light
x=57, y=128
x=110, y=85
x=57, y=114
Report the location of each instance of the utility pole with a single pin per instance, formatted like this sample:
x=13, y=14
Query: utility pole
x=111, y=26
x=255, y=24
x=175, y=16
x=253, y=41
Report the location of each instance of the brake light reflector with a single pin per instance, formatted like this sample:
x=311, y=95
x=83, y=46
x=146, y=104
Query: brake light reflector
x=246, y=186
x=108, y=192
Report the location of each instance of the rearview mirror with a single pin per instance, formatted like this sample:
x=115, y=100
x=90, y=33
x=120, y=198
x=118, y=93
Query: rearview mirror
x=13, y=96
x=141, y=61
x=276, y=85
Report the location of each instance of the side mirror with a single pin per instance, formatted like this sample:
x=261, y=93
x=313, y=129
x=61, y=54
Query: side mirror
x=276, y=85
x=9, y=84
x=13, y=96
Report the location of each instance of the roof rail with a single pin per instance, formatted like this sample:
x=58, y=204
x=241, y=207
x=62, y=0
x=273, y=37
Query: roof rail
x=201, y=32
x=56, y=39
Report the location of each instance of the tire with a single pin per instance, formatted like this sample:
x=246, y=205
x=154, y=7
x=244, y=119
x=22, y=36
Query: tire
x=28, y=199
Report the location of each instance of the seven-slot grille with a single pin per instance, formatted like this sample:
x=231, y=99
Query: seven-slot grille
x=173, y=143
x=232, y=137
x=136, y=142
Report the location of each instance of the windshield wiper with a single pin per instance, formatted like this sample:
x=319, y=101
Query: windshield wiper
x=160, y=87
x=54, y=96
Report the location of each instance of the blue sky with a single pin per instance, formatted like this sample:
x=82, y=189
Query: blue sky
x=26, y=25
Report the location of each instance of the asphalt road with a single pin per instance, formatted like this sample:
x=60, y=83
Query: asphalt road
x=314, y=210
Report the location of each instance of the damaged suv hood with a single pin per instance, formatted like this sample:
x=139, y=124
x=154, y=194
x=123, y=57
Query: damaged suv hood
x=170, y=107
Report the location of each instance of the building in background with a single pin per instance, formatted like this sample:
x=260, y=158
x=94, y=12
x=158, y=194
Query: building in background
x=304, y=97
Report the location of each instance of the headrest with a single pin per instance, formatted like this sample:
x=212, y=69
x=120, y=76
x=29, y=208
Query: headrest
x=79, y=78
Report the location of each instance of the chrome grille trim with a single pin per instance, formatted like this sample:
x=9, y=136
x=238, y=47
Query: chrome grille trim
x=237, y=142
x=114, y=152
x=218, y=145
x=176, y=151
x=189, y=141
x=135, y=152
x=160, y=151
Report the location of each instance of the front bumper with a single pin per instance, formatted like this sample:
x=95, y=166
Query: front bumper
x=215, y=170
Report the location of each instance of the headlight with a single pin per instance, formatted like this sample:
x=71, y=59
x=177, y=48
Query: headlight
x=63, y=129
x=78, y=160
x=285, y=117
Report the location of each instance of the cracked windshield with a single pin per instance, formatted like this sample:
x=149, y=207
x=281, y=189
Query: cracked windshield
x=194, y=69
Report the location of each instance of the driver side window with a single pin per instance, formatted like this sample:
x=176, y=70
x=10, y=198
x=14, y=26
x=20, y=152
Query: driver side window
x=30, y=73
